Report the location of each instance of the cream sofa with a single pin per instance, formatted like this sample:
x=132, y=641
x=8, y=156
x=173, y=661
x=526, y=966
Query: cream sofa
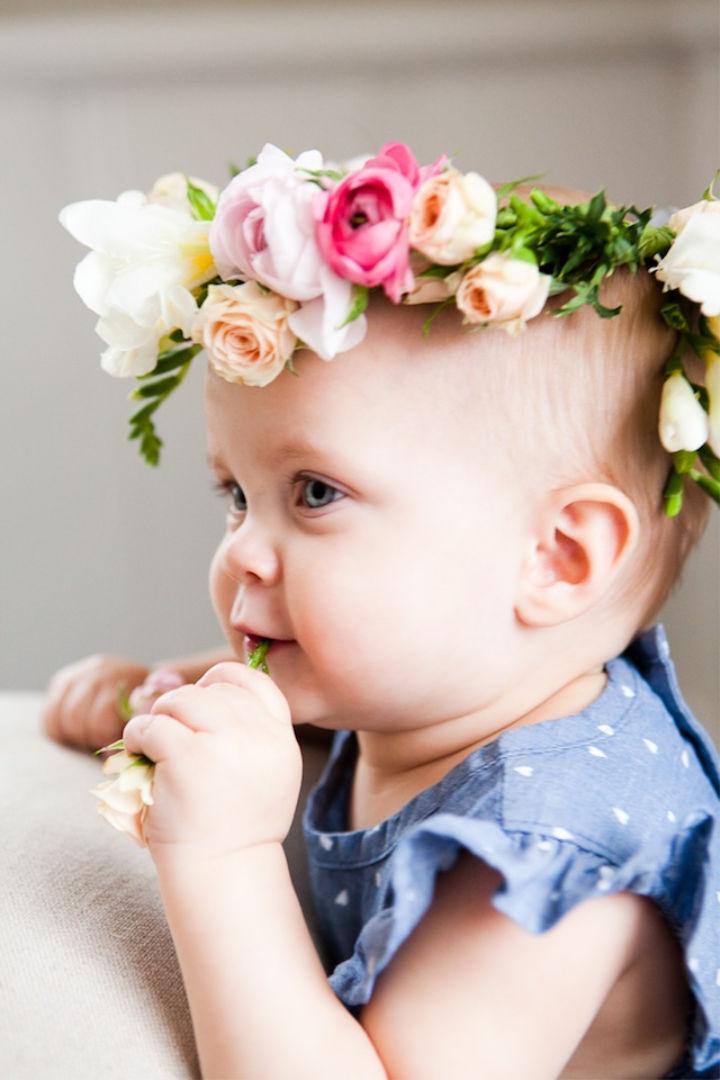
x=90, y=987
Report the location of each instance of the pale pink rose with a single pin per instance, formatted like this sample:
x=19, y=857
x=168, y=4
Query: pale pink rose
x=362, y=223
x=680, y=218
x=452, y=215
x=158, y=682
x=264, y=228
x=245, y=332
x=502, y=291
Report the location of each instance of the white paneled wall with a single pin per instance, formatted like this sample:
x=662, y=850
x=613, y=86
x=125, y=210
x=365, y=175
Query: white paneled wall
x=98, y=551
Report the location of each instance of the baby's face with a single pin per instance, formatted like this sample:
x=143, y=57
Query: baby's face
x=368, y=523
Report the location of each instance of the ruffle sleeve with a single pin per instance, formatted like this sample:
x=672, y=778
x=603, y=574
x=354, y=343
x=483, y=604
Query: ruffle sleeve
x=544, y=877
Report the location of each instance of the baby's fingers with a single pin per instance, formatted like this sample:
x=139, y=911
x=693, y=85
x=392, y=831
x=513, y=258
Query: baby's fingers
x=259, y=684
x=156, y=735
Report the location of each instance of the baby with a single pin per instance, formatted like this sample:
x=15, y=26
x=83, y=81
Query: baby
x=456, y=543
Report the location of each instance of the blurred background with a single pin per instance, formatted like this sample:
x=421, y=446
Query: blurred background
x=100, y=553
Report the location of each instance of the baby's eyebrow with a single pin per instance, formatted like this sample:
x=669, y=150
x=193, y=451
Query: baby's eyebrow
x=296, y=448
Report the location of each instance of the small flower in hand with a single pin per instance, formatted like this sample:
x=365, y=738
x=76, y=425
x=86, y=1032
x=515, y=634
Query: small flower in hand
x=126, y=798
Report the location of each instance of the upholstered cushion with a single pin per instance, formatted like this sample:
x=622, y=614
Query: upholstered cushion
x=89, y=982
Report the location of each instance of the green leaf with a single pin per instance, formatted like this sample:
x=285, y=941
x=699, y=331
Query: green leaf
x=172, y=359
x=654, y=241
x=673, y=315
x=708, y=192
x=511, y=185
x=138, y=419
x=161, y=388
x=150, y=445
x=117, y=745
x=201, y=203
x=596, y=208
x=361, y=295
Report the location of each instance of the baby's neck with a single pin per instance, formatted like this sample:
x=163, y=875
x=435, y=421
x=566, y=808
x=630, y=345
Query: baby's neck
x=394, y=766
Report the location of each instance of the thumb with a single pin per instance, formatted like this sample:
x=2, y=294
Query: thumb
x=252, y=679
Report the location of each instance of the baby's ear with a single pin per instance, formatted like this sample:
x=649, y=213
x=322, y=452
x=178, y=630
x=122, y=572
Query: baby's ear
x=581, y=538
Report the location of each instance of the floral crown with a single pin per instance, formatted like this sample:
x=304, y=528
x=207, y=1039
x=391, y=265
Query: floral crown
x=286, y=255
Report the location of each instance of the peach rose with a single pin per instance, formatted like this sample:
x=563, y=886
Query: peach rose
x=245, y=332
x=452, y=215
x=502, y=291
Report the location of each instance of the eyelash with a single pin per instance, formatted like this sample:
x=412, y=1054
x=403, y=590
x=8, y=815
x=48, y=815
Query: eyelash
x=226, y=487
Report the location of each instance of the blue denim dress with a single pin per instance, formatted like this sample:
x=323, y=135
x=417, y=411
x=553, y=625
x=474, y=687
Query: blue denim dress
x=624, y=795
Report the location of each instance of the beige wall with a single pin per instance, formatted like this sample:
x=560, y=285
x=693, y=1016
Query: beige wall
x=100, y=552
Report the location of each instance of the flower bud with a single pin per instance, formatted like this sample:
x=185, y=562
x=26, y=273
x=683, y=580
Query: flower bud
x=683, y=423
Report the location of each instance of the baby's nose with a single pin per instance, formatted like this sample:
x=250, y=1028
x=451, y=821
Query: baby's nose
x=251, y=556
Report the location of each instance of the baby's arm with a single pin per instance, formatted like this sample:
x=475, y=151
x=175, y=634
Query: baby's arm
x=469, y=994
x=81, y=701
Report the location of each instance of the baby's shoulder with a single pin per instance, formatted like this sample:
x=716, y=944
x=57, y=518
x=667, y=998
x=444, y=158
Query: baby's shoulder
x=632, y=764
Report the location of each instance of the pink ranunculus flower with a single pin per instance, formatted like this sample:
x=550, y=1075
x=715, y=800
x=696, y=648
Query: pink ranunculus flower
x=362, y=223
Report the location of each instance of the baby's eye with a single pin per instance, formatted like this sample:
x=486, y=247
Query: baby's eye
x=234, y=494
x=317, y=492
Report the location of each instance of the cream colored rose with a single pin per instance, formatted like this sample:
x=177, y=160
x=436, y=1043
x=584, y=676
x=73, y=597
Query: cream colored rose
x=126, y=798
x=502, y=291
x=683, y=423
x=680, y=218
x=452, y=215
x=245, y=332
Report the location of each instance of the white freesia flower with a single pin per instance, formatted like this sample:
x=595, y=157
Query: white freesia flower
x=679, y=219
x=126, y=798
x=683, y=423
x=692, y=264
x=145, y=259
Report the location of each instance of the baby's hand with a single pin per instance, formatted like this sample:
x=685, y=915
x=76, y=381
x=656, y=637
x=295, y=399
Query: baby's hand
x=81, y=703
x=228, y=765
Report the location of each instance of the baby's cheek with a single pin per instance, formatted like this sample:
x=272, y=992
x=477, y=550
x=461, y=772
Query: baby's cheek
x=222, y=589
